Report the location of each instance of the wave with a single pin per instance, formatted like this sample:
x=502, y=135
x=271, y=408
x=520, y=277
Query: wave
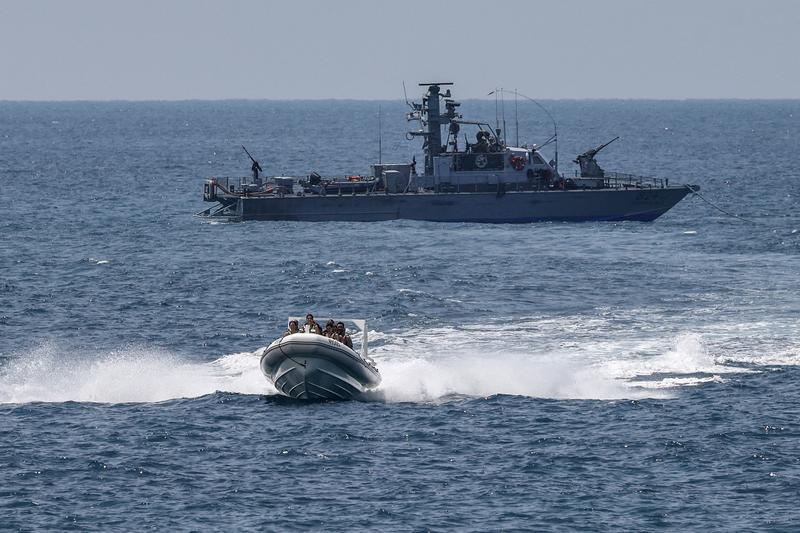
x=465, y=364
x=47, y=374
x=421, y=379
x=416, y=366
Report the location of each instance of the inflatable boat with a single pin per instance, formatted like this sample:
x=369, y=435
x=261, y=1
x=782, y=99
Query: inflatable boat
x=308, y=366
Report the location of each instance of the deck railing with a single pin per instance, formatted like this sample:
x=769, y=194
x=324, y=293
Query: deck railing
x=621, y=180
x=235, y=184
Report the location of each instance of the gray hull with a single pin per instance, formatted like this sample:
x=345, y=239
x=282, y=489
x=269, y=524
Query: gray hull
x=512, y=207
x=307, y=366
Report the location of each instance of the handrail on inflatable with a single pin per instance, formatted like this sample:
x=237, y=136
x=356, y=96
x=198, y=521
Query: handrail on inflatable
x=359, y=323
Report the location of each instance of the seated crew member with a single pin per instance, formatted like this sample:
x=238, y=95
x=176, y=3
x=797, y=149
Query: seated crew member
x=293, y=328
x=330, y=328
x=312, y=326
x=497, y=144
x=342, y=336
x=482, y=147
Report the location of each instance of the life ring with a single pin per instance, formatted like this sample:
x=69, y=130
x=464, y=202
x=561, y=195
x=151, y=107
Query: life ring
x=517, y=162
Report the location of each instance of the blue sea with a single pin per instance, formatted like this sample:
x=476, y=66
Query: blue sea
x=545, y=377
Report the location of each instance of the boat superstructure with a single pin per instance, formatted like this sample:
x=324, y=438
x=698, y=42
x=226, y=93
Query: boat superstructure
x=485, y=180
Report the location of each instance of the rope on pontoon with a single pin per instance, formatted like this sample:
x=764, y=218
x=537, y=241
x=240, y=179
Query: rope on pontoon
x=289, y=356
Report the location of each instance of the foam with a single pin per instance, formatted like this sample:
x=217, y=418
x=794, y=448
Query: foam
x=671, y=383
x=787, y=357
x=463, y=361
x=586, y=359
x=134, y=375
x=422, y=379
x=688, y=356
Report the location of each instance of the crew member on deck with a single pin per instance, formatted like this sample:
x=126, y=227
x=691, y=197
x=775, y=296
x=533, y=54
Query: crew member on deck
x=330, y=328
x=256, y=168
x=482, y=146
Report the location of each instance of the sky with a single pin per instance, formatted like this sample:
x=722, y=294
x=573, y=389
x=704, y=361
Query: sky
x=365, y=50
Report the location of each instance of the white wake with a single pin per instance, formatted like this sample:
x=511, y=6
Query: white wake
x=133, y=375
x=416, y=366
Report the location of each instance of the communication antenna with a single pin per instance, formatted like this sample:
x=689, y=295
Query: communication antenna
x=503, y=108
x=496, y=110
x=554, y=137
x=496, y=113
x=380, y=135
x=516, y=118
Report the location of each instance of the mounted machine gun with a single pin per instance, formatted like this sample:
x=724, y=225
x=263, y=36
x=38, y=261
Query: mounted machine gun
x=589, y=166
x=255, y=168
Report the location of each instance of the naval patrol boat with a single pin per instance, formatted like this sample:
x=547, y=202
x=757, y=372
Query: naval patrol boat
x=483, y=181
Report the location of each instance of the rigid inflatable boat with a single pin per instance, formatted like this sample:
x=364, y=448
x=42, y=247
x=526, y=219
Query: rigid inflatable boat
x=308, y=366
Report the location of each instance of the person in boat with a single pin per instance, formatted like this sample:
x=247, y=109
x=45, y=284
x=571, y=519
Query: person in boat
x=330, y=328
x=312, y=326
x=482, y=146
x=496, y=145
x=342, y=336
x=293, y=328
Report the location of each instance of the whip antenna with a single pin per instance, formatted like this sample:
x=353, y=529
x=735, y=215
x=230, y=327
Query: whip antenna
x=516, y=118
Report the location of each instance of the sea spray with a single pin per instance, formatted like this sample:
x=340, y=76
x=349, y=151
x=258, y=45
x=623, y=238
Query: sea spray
x=416, y=366
x=50, y=374
x=487, y=375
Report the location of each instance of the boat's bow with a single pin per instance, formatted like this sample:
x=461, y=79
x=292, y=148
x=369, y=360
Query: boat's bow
x=309, y=366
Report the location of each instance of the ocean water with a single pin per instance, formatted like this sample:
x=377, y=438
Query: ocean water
x=555, y=377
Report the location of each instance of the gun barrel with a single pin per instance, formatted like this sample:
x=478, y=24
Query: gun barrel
x=248, y=155
x=589, y=154
x=606, y=144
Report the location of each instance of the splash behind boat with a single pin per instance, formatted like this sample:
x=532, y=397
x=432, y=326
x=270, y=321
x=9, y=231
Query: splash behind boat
x=308, y=366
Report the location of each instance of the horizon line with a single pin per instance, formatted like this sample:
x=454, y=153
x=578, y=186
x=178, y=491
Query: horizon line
x=400, y=100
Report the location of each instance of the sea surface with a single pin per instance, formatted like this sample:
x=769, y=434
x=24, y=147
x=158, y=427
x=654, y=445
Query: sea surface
x=549, y=377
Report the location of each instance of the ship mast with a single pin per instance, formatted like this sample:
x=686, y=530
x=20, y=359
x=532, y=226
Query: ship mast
x=380, y=137
x=433, y=137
